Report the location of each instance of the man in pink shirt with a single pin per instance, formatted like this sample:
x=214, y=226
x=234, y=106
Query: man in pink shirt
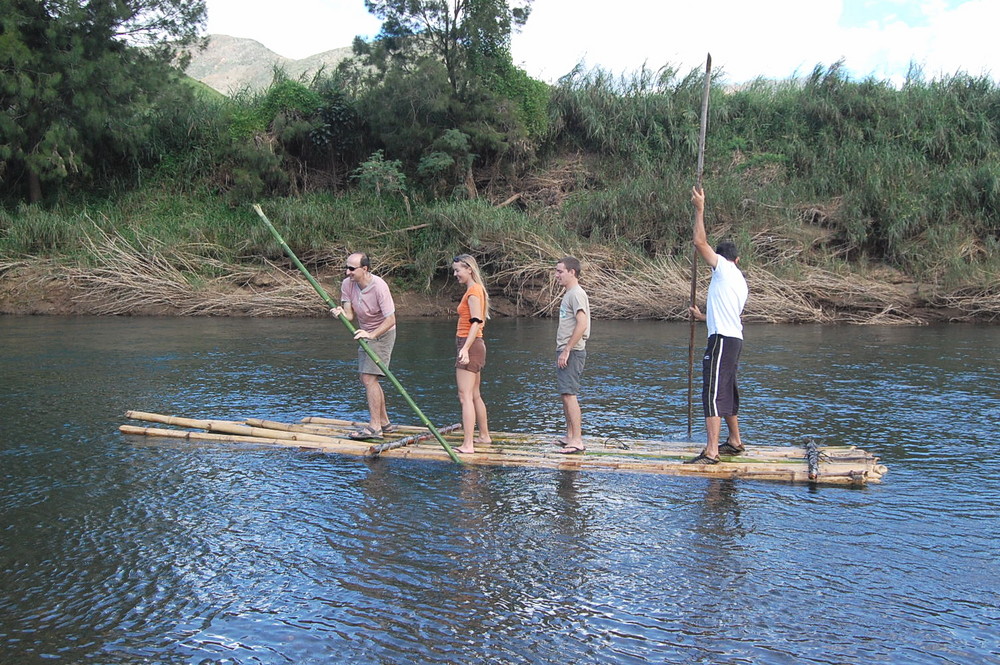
x=367, y=296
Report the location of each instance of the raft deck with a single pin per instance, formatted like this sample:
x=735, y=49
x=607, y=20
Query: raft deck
x=812, y=463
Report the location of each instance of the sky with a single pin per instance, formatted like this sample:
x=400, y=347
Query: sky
x=776, y=39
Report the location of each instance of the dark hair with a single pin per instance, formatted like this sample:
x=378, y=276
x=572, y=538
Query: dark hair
x=727, y=250
x=571, y=263
x=363, y=260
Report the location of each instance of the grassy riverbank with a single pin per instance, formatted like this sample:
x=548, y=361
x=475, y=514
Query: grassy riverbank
x=850, y=202
x=156, y=252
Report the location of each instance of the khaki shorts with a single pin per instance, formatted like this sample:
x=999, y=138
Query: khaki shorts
x=477, y=354
x=382, y=346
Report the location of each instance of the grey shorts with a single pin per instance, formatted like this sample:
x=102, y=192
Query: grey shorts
x=568, y=378
x=382, y=347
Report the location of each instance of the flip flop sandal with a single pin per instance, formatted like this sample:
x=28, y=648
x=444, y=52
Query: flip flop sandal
x=365, y=433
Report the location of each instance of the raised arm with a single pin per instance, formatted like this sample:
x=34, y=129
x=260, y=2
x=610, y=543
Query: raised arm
x=700, y=236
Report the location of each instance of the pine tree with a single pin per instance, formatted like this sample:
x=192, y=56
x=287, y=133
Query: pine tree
x=77, y=79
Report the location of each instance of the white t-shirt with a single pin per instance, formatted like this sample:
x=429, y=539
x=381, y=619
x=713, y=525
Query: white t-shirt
x=575, y=300
x=727, y=294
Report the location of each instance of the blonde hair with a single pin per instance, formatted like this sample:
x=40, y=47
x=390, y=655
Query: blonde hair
x=477, y=277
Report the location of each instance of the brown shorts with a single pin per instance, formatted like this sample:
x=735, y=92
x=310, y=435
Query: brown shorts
x=477, y=354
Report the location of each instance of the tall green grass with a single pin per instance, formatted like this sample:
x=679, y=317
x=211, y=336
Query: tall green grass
x=908, y=177
x=912, y=173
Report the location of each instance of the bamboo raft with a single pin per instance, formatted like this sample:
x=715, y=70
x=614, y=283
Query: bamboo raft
x=812, y=463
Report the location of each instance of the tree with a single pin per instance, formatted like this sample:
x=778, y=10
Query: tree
x=78, y=78
x=442, y=68
x=468, y=36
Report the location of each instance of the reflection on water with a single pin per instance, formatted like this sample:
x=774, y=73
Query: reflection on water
x=122, y=550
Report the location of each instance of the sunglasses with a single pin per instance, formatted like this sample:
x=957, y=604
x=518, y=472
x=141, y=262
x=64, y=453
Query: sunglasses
x=351, y=268
x=459, y=259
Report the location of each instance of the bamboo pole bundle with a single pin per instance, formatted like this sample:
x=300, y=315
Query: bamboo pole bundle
x=228, y=427
x=783, y=471
x=321, y=430
x=817, y=464
x=339, y=424
x=337, y=445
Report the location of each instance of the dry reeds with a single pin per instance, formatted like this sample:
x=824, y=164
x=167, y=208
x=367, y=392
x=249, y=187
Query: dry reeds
x=144, y=277
x=623, y=286
x=136, y=277
x=979, y=303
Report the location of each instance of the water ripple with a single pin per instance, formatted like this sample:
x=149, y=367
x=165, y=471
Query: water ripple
x=114, y=550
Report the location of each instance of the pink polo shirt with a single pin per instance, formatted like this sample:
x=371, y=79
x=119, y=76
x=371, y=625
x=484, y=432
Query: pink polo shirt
x=372, y=304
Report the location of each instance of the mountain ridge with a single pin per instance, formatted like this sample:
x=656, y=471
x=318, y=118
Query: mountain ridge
x=231, y=64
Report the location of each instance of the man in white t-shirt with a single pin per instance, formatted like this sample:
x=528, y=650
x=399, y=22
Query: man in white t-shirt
x=727, y=295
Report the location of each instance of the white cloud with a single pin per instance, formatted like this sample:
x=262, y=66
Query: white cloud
x=771, y=38
x=964, y=39
x=293, y=28
x=746, y=39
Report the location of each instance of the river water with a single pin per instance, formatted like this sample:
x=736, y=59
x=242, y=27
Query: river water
x=117, y=549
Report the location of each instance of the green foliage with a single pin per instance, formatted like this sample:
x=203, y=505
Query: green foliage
x=893, y=166
x=379, y=175
x=75, y=86
x=648, y=115
x=438, y=66
x=340, y=126
x=645, y=212
x=864, y=172
x=247, y=117
x=408, y=111
x=466, y=36
x=445, y=167
x=289, y=97
x=529, y=96
x=284, y=102
x=35, y=231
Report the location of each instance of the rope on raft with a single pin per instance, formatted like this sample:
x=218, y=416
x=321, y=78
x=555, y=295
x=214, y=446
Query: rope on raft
x=615, y=442
x=374, y=451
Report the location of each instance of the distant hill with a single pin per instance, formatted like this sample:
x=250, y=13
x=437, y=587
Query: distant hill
x=229, y=64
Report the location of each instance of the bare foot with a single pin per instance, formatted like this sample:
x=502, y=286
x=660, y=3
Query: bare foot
x=480, y=439
x=463, y=451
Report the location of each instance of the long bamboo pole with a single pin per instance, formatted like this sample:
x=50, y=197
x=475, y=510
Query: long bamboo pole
x=694, y=256
x=364, y=344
